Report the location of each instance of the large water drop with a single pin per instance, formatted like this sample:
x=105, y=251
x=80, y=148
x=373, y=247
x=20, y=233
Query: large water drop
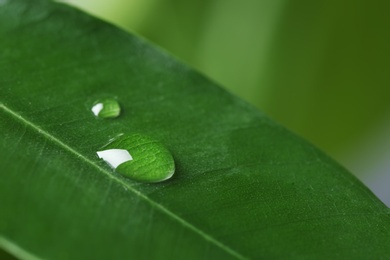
x=139, y=157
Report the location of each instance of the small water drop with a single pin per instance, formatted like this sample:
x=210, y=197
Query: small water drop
x=139, y=157
x=106, y=108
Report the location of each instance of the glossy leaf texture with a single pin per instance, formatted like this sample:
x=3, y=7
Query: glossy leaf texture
x=244, y=187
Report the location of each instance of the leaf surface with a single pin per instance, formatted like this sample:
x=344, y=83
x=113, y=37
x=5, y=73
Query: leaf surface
x=244, y=186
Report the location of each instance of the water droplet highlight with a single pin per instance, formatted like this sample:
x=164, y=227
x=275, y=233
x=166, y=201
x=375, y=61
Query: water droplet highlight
x=106, y=108
x=115, y=157
x=139, y=157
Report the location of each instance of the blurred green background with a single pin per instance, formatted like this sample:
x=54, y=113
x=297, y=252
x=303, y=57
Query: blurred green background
x=321, y=68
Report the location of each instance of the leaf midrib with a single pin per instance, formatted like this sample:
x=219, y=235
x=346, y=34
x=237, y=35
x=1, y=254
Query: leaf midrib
x=121, y=182
x=17, y=251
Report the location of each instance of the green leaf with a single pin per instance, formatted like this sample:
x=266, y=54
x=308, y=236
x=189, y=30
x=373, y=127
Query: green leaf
x=244, y=187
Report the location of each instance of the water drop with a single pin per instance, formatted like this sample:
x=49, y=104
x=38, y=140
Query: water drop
x=106, y=108
x=139, y=157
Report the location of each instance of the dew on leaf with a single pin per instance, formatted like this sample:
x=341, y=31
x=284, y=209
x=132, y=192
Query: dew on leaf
x=106, y=108
x=139, y=157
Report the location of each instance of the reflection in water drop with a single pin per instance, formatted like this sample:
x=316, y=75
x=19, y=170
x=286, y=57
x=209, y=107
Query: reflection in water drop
x=115, y=157
x=97, y=108
x=106, y=108
x=139, y=157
